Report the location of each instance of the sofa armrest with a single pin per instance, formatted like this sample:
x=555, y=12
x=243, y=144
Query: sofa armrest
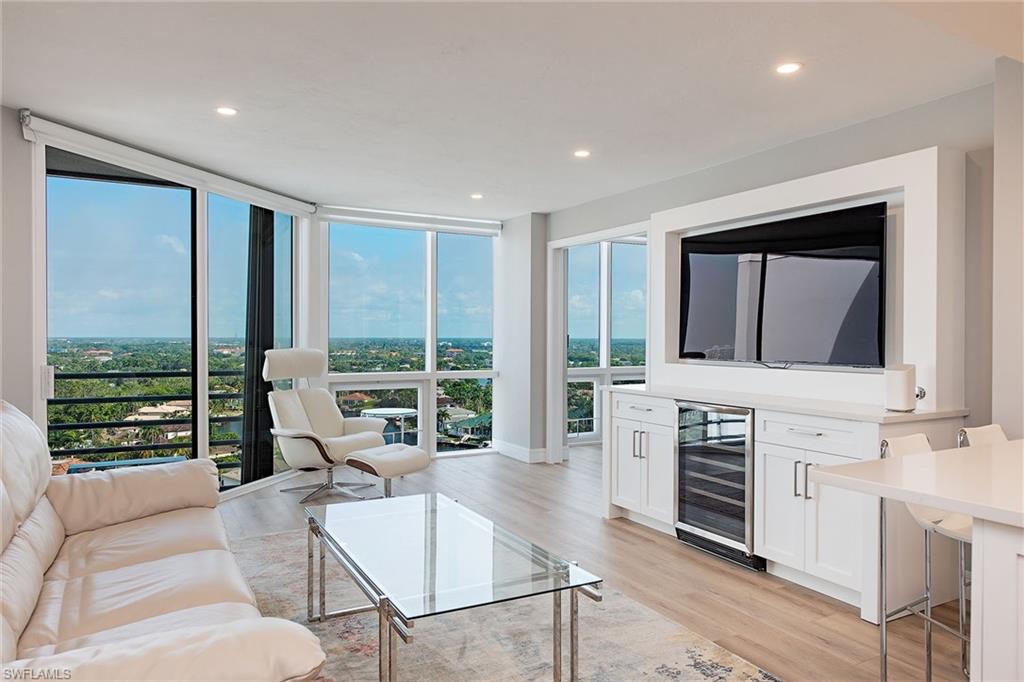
x=251, y=649
x=103, y=498
x=363, y=424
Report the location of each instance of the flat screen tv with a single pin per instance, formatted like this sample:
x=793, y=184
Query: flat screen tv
x=806, y=290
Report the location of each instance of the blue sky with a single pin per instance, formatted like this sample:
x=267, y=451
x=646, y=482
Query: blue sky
x=628, y=294
x=119, y=261
x=378, y=283
x=119, y=266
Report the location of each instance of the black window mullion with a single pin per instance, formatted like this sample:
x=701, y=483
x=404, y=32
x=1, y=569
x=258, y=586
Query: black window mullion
x=257, y=443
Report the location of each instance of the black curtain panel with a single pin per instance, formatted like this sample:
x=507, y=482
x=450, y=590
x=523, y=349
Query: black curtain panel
x=257, y=443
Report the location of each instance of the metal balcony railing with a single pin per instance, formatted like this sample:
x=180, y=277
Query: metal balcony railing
x=140, y=423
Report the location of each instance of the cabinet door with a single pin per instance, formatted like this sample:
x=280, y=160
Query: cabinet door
x=659, y=458
x=833, y=524
x=627, y=467
x=779, y=504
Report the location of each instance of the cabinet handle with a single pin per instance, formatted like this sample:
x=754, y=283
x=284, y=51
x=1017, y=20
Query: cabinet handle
x=796, y=468
x=807, y=466
x=642, y=434
x=641, y=409
x=635, y=432
x=804, y=432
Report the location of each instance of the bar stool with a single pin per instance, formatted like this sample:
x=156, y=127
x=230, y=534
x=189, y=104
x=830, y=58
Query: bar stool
x=931, y=520
x=977, y=435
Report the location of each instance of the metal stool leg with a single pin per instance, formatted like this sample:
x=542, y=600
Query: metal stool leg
x=883, y=604
x=928, y=605
x=965, y=666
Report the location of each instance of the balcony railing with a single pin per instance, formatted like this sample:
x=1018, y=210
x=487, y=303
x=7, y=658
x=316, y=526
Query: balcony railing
x=95, y=451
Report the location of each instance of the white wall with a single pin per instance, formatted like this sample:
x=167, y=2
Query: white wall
x=978, y=288
x=22, y=292
x=1008, y=249
x=962, y=121
x=520, y=323
x=930, y=329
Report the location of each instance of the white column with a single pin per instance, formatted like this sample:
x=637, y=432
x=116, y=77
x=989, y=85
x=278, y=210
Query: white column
x=1008, y=249
x=520, y=337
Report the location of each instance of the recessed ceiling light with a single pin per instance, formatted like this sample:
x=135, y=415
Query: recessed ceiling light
x=476, y=195
x=788, y=68
x=227, y=111
x=581, y=153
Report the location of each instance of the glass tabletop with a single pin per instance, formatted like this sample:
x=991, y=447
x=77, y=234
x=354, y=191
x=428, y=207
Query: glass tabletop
x=428, y=554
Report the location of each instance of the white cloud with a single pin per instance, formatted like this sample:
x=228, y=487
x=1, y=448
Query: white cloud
x=109, y=294
x=172, y=243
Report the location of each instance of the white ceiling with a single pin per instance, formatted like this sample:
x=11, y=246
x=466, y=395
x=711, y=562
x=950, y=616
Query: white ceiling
x=415, y=106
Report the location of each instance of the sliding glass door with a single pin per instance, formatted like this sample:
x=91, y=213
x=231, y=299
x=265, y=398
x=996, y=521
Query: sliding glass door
x=123, y=286
x=120, y=315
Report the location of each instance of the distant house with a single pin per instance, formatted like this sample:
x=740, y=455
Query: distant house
x=478, y=426
x=99, y=355
x=167, y=410
x=353, y=399
x=450, y=352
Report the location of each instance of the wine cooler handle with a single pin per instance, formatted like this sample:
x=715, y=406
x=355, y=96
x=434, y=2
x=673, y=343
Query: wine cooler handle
x=796, y=468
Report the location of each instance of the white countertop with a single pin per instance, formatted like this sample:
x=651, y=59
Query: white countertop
x=820, y=408
x=983, y=481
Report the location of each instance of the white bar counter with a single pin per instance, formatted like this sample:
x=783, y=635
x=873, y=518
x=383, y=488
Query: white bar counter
x=987, y=483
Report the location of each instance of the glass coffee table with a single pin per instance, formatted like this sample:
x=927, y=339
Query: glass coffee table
x=423, y=555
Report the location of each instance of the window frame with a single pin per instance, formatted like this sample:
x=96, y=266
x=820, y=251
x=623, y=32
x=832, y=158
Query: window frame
x=426, y=380
x=43, y=134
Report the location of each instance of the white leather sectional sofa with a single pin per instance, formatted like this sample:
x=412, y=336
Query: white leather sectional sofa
x=127, y=575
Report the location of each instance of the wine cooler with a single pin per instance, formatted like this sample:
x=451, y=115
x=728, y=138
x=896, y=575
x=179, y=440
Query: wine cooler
x=716, y=481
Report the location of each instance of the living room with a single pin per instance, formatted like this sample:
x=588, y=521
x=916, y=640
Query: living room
x=468, y=341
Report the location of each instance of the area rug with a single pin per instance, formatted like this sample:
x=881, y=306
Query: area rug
x=620, y=639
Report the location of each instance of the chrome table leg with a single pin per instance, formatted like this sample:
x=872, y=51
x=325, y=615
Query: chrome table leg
x=309, y=572
x=392, y=653
x=574, y=635
x=383, y=640
x=883, y=606
x=323, y=584
x=556, y=637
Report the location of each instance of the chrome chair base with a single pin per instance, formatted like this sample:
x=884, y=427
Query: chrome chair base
x=328, y=487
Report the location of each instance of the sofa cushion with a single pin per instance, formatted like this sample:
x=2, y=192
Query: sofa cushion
x=22, y=563
x=104, y=498
x=138, y=541
x=208, y=614
x=24, y=468
x=75, y=607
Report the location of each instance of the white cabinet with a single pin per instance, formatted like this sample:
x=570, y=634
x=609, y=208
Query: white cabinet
x=778, y=505
x=833, y=519
x=643, y=468
x=810, y=528
x=627, y=475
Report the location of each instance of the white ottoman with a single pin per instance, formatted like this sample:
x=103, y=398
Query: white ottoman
x=389, y=461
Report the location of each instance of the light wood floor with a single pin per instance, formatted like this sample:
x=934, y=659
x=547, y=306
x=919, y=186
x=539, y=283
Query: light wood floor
x=789, y=631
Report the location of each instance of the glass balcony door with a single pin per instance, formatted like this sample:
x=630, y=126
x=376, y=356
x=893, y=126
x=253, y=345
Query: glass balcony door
x=124, y=287
x=121, y=315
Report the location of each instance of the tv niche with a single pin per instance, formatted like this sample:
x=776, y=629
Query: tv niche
x=808, y=290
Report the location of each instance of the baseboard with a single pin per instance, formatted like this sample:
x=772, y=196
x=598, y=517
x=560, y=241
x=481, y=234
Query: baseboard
x=519, y=452
x=843, y=594
x=238, y=491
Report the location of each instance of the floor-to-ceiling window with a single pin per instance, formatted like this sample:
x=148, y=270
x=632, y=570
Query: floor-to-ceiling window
x=410, y=332
x=249, y=285
x=123, y=290
x=120, y=316
x=606, y=318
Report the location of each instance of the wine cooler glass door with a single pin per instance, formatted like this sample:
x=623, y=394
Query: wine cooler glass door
x=715, y=473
